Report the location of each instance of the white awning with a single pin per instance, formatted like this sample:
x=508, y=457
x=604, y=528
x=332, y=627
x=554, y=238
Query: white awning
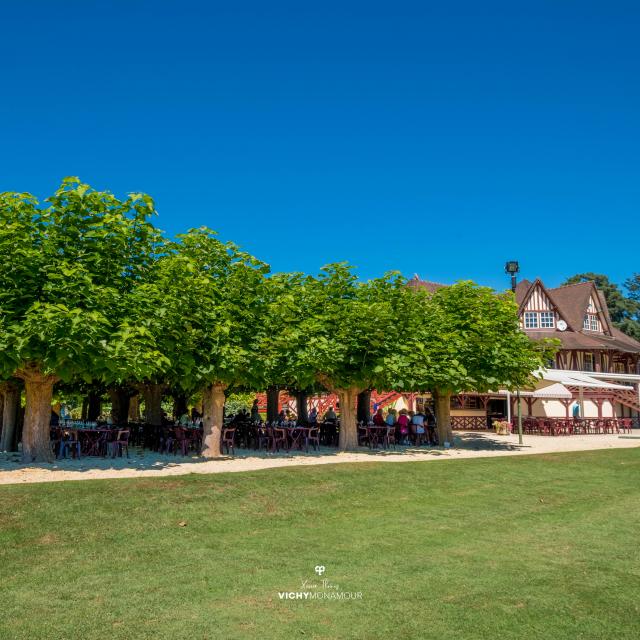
x=548, y=390
x=578, y=379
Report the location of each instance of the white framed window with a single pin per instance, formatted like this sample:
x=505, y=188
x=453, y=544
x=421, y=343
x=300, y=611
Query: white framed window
x=530, y=320
x=587, y=362
x=547, y=320
x=590, y=322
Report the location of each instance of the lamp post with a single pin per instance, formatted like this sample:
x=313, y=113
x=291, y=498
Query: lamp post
x=512, y=268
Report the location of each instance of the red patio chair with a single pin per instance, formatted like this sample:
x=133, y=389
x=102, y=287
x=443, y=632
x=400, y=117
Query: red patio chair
x=228, y=440
x=120, y=444
x=280, y=438
x=312, y=436
x=625, y=425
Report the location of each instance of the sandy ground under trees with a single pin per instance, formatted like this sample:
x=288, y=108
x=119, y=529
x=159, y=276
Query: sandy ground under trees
x=149, y=464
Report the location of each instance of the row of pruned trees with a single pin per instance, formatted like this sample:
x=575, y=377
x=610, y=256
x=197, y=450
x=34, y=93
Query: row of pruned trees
x=92, y=293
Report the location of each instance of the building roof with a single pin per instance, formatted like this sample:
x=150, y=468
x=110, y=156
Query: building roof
x=571, y=302
x=417, y=283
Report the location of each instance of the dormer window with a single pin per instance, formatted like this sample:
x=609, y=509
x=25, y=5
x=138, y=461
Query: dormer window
x=547, y=320
x=539, y=320
x=590, y=322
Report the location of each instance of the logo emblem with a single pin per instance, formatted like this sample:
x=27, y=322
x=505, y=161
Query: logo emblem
x=320, y=569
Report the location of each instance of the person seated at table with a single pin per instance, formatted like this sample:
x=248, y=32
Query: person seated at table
x=185, y=419
x=378, y=418
x=313, y=417
x=330, y=416
x=281, y=417
x=417, y=427
x=391, y=417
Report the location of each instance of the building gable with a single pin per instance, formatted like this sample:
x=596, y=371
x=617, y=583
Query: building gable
x=538, y=309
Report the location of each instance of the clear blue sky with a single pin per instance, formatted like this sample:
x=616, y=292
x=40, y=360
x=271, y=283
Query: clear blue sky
x=433, y=137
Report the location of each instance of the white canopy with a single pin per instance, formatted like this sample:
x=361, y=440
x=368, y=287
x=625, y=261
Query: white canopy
x=549, y=390
x=580, y=380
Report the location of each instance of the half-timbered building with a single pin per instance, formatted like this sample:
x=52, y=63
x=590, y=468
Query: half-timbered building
x=592, y=348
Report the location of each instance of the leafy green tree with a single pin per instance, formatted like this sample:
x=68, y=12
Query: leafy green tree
x=205, y=311
x=337, y=333
x=624, y=310
x=66, y=268
x=464, y=338
x=631, y=324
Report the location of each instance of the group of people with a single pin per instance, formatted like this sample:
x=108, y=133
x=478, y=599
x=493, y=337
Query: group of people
x=412, y=427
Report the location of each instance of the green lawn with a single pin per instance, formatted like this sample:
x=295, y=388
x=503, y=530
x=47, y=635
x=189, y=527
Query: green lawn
x=524, y=547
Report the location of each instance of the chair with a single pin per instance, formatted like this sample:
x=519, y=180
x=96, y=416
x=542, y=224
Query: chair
x=228, y=438
x=390, y=436
x=363, y=436
x=120, y=444
x=625, y=425
x=55, y=438
x=180, y=441
x=312, y=435
x=70, y=443
x=297, y=435
x=280, y=438
x=264, y=436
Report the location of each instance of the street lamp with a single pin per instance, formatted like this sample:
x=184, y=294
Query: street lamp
x=512, y=268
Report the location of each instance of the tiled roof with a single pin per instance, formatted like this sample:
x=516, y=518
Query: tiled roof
x=571, y=302
x=425, y=284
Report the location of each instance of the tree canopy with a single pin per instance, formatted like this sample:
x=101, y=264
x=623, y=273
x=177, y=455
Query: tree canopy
x=92, y=294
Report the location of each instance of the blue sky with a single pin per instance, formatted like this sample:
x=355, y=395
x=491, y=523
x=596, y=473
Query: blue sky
x=433, y=137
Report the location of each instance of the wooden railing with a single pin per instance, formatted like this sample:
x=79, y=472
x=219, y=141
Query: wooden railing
x=468, y=423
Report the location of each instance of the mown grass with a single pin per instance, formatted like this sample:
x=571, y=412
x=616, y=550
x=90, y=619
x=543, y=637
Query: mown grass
x=526, y=547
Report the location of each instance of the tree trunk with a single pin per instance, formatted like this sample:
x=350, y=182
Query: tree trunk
x=94, y=408
x=364, y=406
x=153, y=404
x=179, y=405
x=301, y=407
x=10, y=417
x=273, y=402
x=120, y=399
x=36, y=445
x=443, y=416
x=85, y=409
x=348, y=425
x=213, y=406
x=134, y=408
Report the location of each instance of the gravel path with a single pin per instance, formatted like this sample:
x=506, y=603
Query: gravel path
x=148, y=464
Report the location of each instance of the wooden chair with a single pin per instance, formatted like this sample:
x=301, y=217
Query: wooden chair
x=228, y=440
x=70, y=443
x=280, y=438
x=120, y=444
x=312, y=436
